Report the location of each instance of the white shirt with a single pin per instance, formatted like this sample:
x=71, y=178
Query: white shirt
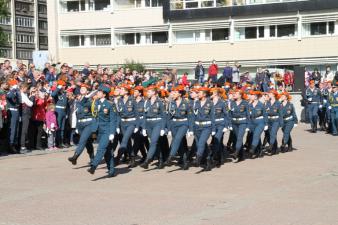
x=26, y=100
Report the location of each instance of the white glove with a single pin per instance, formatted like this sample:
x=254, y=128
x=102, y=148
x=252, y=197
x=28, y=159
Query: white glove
x=330, y=107
x=190, y=133
x=230, y=128
x=76, y=131
x=135, y=130
x=310, y=99
x=14, y=87
x=162, y=133
x=52, y=125
x=213, y=133
x=247, y=129
x=118, y=130
x=169, y=133
x=320, y=106
x=295, y=125
x=266, y=127
x=144, y=133
x=325, y=101
x=59, y=86
x=225, y=129
x=111, y=137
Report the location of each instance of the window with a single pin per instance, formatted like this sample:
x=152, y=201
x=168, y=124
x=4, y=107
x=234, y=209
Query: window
x=187, y=36
x=101, y=4
x=154, y=3
x=286, y=30
x=23, y=7
x=123, y=4
x=273, y=31
x=5, y=20
x=42, y=9
x=24, y=54
x=103, y=40
x=5, y=53
x=24, y=21
x=75, y=6
x=43, y=40
x=331, y=27
x=250, y=32
x=219, y=34
x=43, y=25
x=159, y=37
x=261, y=32
x=25, y=38
x=318, y=28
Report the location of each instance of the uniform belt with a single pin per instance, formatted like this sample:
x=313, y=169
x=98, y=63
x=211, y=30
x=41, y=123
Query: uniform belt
x=260, y=117
x=13, y=109
x=85, y=120
x=288, y=118
x=60, y=107
x=239, y=119
x=128, y=119
x=180, y=120
x=141, y=117
x=273, y=117
x=203, y=123
x=153, y=119
x=220, y=119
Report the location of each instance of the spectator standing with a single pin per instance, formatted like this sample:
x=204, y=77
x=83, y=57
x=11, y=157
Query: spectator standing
x=199, y=72
x=213, y=71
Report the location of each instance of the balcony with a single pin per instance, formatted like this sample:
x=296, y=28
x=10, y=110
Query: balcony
x=197, y=4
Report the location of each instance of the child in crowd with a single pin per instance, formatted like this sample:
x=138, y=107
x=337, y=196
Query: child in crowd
x=51, y=125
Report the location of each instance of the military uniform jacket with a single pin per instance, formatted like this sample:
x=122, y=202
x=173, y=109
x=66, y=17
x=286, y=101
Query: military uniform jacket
x=127, y=110
x=153, y=111
x=181, y=111
x=140, y=111
x=106, y=115
x=83, y=109
x=60, y=99
x=289, y=113
x=258, y=113
x=239, y=114
x=333, y=100
x=204, y=113
x=313, y=95
x=221, y=113
x=274, y=110
x=13, y=99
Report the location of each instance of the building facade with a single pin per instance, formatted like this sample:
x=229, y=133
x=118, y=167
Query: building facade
x=26, y=27
x=178, y=33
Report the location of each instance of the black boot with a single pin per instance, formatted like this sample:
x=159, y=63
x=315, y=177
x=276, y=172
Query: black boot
x=252, y=152
x=208, y=167
x=117, y=159
x=111, y=174
x=73, y=159
x=91, y=170
x=132, y=162
x=168, y=162
x=197, y=161
x=145, y=164
x=290, y=145
x=160, y=164
x=12, y=149
x=282, y=147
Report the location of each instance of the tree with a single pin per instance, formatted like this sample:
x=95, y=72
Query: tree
x=133, y=65
x=3, y=14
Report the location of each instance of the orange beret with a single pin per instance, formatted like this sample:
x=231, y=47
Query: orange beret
x=138, y=88
x=85, y=85
x=204, y=89
x=61, y=82
x=12, y=82
x=178, y=88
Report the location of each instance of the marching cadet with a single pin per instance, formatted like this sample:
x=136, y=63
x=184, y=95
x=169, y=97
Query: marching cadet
x=323, y=105
x=239, y=114
x=106, y=121
x=193, y=94
x=221, y=123
x=154, y=122
x=204, y=124
x=275, y=121
x=86, y=124
x=61, y=102
x=13, y=102
x=290, y=120
x=128, y=121
x=333, y=107
x=313, y=96
x=141, y=143
x=180, y=120
x=258, y=122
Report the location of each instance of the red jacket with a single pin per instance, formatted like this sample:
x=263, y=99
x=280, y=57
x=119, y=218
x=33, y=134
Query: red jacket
x=39, y=110
x=185, y=80
x=213, y=70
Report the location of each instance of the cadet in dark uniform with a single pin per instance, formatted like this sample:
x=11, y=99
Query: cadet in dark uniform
x=106, y=120
x=258, y=122
x=13, y=103
x=221, y=123
x=179, y=121
x=128, y=121
x=290, y=120
x=61, y=103
x=239, y=114
x=333, y=107
x=204, y=124
x=313, y=96
x=154, y=122
x=86, y=124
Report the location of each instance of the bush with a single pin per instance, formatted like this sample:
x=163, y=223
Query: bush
x=133, y=65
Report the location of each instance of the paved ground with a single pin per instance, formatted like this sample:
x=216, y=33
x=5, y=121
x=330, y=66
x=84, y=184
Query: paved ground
x=295, y=188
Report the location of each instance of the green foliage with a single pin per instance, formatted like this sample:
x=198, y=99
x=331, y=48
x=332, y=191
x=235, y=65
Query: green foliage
x=133, y=65
x=3, y=13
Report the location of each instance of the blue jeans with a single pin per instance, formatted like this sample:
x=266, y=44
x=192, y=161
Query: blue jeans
x=13, y=128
